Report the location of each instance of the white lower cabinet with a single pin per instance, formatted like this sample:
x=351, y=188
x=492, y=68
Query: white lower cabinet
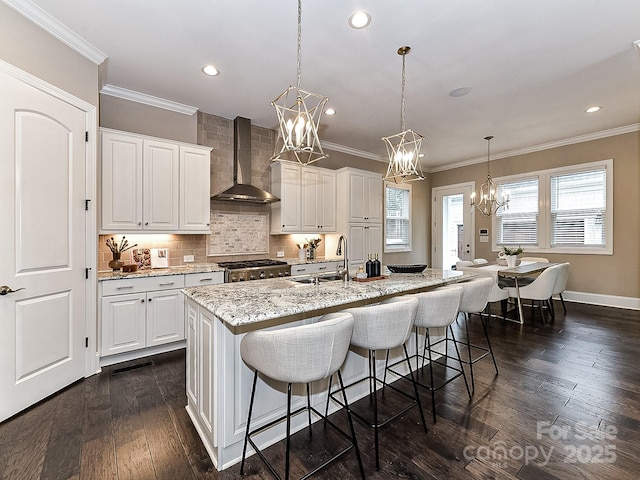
x=140, y=313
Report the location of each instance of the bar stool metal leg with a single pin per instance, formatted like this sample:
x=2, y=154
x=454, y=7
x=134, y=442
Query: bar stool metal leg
x=246, y=435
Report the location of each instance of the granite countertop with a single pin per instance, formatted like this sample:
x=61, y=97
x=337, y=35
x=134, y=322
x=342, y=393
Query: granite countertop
x=241, y=304
x=158, y=272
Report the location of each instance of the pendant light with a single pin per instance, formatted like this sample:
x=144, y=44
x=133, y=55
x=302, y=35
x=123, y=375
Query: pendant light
x=404, y=147
x=490, y=202
x=299, y=115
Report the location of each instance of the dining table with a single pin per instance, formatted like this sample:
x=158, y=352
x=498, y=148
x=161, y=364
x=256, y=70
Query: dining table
x=518, y=276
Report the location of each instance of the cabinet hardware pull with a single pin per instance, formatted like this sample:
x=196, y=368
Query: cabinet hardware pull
x=166, y=283
x=142, y=300
x=322, y=268
x=206, y=279
x=124, y=287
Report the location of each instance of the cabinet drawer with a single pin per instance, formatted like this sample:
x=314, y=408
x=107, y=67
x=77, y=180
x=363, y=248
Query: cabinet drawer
x=327, y=267
x=302, y=269
x=145, y=284
x=199, y=279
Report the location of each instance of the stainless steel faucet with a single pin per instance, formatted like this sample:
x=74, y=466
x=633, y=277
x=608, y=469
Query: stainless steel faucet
x=344, y=271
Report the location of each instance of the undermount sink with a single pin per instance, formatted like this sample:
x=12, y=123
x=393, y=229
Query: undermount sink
x=311, y=280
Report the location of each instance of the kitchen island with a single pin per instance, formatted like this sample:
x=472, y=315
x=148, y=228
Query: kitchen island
x=218, y=382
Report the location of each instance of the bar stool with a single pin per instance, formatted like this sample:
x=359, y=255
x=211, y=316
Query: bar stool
x=303, y=354
x=383, y=327
x=436, y=309
x=475, y=295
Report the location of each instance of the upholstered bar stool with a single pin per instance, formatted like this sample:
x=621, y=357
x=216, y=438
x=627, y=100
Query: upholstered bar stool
x=383, y=327
x=436, y=309
x=475, y=295
x=303, y=354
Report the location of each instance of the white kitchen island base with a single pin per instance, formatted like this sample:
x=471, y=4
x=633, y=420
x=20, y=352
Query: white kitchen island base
x=219, y=383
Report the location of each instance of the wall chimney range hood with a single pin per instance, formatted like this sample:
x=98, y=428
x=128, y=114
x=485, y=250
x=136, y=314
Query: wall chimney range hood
x=242, y=190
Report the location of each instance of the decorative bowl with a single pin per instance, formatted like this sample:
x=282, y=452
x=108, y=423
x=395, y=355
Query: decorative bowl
x=417, y=268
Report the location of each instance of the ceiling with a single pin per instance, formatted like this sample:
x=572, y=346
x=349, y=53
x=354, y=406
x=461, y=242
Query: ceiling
x=533, y=66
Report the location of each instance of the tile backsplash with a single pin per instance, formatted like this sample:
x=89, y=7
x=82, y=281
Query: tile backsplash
x=196, y=245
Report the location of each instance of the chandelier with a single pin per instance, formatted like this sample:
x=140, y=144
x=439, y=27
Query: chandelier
x=490, y=202
x=404, y=147
x=299, y=115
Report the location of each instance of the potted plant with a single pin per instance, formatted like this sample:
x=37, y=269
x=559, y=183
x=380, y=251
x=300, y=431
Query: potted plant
x=511, y=255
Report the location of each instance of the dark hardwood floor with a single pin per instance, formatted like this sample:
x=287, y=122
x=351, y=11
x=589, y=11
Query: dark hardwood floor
x=566, y=405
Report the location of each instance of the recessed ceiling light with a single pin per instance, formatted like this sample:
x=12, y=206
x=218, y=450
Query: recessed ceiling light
x=420, y=155
x=460, y=92
x=210, y=70
x=359, y=19
x=593, y=109
x=330, y=111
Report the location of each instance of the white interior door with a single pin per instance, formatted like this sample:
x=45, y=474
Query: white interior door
x=42, y=240
x=453, y=225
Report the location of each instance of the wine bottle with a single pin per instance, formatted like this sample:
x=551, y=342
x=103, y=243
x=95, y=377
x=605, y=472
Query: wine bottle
x=369, y=267
x=376, y=267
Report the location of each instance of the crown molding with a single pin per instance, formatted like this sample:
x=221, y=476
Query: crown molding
x=352, y=151
x=634, y=127
x=57, y=29
x=138, y=97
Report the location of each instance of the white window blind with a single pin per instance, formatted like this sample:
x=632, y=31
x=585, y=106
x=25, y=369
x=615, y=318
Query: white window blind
x=397, y=218
x=578, y=208
x=518, y=224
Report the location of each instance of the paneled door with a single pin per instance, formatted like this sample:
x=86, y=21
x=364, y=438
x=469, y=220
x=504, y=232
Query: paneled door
x=453, y=225
x=42, y=243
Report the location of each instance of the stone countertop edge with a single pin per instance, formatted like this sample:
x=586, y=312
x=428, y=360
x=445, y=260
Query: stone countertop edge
x=240, y=305
x=159, y=272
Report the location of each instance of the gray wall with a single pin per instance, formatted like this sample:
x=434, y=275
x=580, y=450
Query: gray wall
x=28, y=47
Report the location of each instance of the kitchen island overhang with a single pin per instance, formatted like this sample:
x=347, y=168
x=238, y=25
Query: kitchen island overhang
x=218, y=382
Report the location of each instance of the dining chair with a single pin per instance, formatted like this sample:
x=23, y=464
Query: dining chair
x=539, y=290
x=534, y=259
x=463, y=263
x=561, y=283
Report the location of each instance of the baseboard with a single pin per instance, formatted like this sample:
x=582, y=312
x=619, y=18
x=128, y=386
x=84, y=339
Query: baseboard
x=630, y=303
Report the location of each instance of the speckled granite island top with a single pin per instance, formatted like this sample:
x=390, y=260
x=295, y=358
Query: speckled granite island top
x=158, y=272
x=241, y=304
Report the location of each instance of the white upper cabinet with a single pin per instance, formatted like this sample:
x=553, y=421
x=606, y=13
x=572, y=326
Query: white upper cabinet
x=286, y=185
x=154, y=185
x=195, y=171
x=361, y=194
x=160, y=180
x=318, y=200
x=121, y=182
x=307, y=199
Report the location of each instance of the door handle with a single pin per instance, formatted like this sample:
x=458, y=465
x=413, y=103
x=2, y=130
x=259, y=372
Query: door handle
x=4, y=290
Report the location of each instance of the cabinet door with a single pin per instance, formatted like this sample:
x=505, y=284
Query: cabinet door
x=165, y=317
x=357, y=248
x=160, y=186
x=121, y=182
x=373, y=198
x=195, y=197
x=310, y=191
x=326, y=203
x=123, y=323
x=357, y=208
x=285, y=184
x=373, y=239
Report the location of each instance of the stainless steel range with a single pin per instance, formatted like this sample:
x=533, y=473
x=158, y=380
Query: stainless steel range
x=254, y=270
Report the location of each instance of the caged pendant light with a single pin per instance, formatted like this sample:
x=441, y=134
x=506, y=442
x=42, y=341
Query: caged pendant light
x=299, y=115
x=404, y=147
x=490, y=202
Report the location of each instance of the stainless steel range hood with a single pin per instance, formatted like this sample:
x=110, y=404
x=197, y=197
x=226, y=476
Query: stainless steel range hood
x=242, y=190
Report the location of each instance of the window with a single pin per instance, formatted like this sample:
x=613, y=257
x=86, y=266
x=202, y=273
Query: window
x=564, y=210
x=397, y=218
